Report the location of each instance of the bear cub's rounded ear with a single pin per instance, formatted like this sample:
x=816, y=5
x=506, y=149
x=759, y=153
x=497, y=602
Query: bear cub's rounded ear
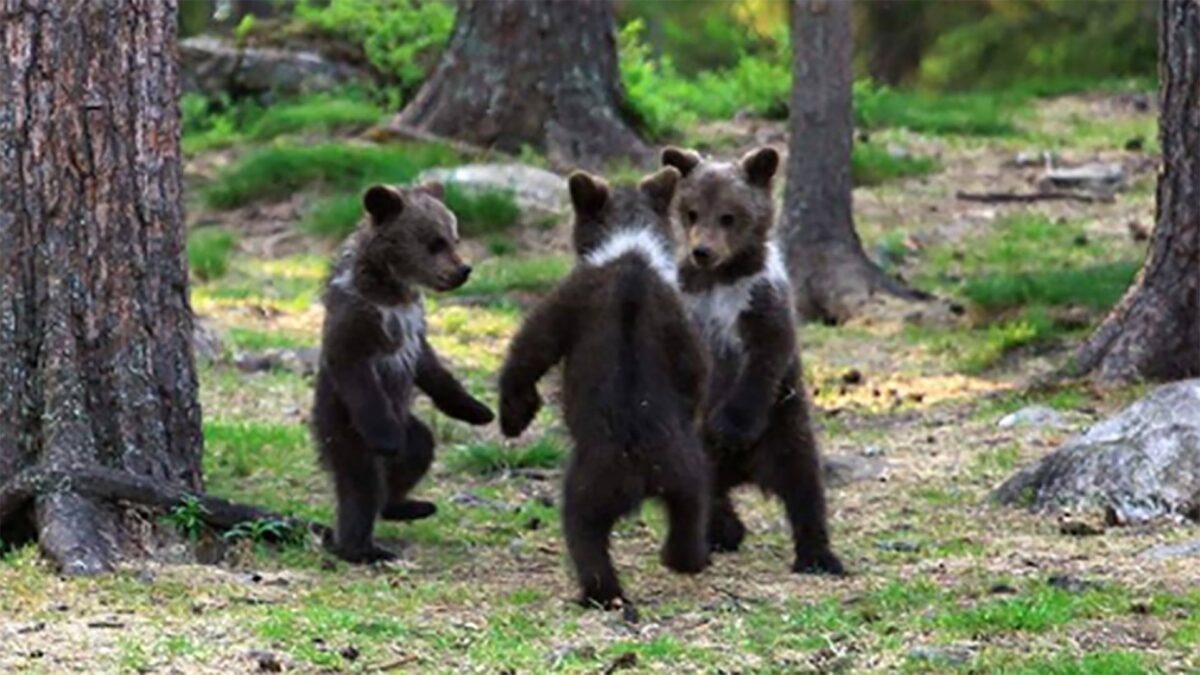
x=382, y=202
x=659, y=188
x=684, y=160
x=589, y=193
x=433, y=189
x=760, y=165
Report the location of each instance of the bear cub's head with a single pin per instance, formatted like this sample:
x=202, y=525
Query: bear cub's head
x=410, y=239
x=725, y=208
x=603, y=212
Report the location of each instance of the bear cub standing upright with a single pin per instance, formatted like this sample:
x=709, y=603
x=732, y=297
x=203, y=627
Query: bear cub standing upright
x=633, y=380
x=736, y=288
x=374, y=352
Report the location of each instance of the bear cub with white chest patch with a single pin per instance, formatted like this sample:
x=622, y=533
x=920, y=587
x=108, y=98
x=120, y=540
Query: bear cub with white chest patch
x=633, y=380
x=374, y=353
x=736, y=289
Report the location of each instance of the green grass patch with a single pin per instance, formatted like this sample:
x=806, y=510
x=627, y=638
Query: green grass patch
x=873, y=164
x=254, y=340
x=208, y=252
x=1095, y=287
x=965, y=114
x=320, y=114
x=495, y=276
x=490, y=458
x=281, y=170
x=237, y=449
x=1094, y=663
x=1038, y=610
x=291, y=283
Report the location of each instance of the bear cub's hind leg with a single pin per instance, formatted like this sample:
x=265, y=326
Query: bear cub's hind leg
x=404, y=472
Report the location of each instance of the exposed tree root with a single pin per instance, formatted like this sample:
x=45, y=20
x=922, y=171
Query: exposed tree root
x=68, y=503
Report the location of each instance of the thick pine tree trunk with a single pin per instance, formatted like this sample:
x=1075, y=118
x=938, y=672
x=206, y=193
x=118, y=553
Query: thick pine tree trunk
x=531, y=72
x=98, y=403
x=832, y=275
x=1154, y=332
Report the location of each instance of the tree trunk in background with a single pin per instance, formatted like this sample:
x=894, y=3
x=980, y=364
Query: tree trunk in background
x=542, y=74
x=1154, y=332
x=896, y=38
x=832, y=276
x=96, y=365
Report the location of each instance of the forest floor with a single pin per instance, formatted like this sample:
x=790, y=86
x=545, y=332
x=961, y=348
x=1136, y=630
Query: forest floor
x=942, y=579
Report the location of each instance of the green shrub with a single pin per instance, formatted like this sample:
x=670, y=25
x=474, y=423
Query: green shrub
x=334, y=218
x=208, y=251
x=280, y=170
x=400, y=38
x=1096, y=287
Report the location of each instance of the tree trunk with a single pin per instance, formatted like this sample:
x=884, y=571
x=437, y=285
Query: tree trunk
x=897, y=38
x=543, y=74
x=1154, y=332
x=832, y=276
x=97, y=384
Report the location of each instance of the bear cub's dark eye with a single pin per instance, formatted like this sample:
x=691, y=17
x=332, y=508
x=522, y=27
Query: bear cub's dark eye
x=438, y=245
x=727, y=220
x=692, y=216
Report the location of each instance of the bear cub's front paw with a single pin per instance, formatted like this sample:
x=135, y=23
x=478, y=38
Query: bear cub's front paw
x=476, y=412
x=517, y=410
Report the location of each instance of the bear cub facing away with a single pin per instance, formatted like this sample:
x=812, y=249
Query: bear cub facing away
x=633, y=380
x=374, y=352
x=736, y=289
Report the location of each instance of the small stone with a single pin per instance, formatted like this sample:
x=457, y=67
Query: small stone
x=1033, y=416
x=899, y=546
x=268, y=662
x=873, y=451
x=1002, y=589
x=350, y=653
x=852, y=376
x=948, y=655
x=1071, y=584
x=842, y=470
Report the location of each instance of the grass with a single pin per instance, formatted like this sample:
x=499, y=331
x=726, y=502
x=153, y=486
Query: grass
x=208, y=252
x=251, y=339
x=1096, y=287
x=1036, y=611
x=281, y=170
x=965, y=114
x=872, y=164
x=496, y=276
x=490, y=458
x=213, y=125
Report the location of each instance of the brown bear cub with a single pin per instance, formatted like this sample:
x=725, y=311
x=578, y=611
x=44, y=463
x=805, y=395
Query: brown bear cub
x=633, y=380
x=737, y=292
x=373, y=354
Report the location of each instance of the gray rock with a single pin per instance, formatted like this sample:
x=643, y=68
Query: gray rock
x=538, y=193
x=213, y=66
x=1037, y=416
x=1168, y=551
x=842, y=470
x=302, y=360
x=206, y=342
x=1140, y=465
x=947, y=655
x=1103, y=178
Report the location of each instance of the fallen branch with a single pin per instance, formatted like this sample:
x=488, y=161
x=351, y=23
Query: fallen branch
x=1027, y=197
x=116, y=485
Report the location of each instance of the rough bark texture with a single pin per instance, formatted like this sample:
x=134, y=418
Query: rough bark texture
x=95, y=362
x=538, y=73
x=1154, y=332
x=832, y=276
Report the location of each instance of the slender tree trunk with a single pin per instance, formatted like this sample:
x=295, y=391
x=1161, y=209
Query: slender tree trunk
x=1154, y=332
x=95, y=357
x=831, y=274
x=531, y=72
x=896, y=30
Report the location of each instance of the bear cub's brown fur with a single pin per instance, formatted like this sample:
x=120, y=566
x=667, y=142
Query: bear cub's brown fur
x=736, y=288
x=633, y=380
x=374, y=352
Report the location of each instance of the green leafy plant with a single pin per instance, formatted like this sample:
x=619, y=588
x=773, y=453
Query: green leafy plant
x=187, y=517
x=265, y=530
x=208, y=252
